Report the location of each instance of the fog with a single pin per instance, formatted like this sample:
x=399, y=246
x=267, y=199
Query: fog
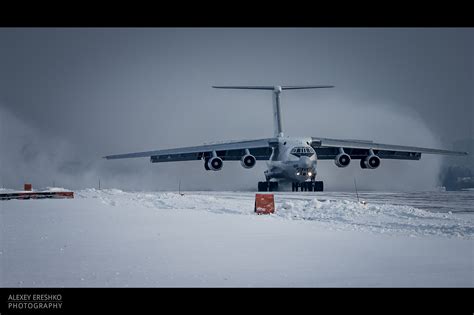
x=70, y=96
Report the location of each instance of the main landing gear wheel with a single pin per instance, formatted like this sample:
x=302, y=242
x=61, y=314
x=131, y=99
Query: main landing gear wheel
x=318, y=186
x=267, y=186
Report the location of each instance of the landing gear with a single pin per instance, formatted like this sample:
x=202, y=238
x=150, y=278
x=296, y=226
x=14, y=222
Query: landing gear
x=273, y=186
x=308, y=186
x=318, y=186
x=304, y=186
x=267, y=186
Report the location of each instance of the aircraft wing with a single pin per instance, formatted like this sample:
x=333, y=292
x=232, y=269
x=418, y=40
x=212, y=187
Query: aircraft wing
x=357, y=149
x=230, y=151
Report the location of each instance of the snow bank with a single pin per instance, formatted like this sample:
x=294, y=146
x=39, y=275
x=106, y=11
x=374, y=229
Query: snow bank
x=56, y=189
x=380, y=218
x=336, y=214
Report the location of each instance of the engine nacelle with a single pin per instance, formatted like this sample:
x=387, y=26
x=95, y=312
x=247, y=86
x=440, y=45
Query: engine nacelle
x=248, y=161
x=214, y=164
x=342, y=160
x=371, y=162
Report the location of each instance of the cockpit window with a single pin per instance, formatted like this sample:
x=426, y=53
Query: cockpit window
x=302, y=151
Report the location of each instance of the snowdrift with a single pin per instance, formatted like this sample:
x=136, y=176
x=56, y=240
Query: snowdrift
x=337, y=214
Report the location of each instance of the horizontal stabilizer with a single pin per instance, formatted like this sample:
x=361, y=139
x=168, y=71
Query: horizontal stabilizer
x=276, y=87
x=302, y=87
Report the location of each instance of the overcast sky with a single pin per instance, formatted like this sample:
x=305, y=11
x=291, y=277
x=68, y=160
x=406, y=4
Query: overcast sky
x=70, y=96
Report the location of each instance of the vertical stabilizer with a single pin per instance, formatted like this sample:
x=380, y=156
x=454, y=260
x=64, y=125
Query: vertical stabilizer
x=277, y=129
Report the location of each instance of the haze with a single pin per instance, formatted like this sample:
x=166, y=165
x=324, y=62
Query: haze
x=70, y=96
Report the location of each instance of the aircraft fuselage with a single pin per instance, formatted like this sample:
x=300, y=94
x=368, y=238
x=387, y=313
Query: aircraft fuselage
x=293, y=160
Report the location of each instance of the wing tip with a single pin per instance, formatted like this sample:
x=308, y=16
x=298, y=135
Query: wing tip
x=458, y=152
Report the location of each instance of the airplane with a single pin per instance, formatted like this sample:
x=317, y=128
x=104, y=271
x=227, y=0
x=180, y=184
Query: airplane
x=289, y=159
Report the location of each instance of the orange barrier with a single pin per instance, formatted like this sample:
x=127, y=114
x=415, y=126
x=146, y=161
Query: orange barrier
x=264, y=204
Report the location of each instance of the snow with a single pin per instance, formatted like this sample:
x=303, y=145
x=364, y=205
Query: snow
x=56, y=189
x=114, y=238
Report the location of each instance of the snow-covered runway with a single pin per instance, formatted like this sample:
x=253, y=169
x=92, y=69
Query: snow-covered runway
x=113, y=238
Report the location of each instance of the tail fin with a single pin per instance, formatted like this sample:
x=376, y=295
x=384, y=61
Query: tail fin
x=278, y=131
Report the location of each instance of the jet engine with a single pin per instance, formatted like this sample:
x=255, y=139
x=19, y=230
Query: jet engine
x=248, y=161
x=342, y=160
x=214, y=164
x=372, y=161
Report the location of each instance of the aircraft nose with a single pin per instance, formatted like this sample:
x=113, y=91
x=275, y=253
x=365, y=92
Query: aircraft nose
x=305, y=162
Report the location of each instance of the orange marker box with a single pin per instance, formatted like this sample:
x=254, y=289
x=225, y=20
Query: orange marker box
x=264, y=204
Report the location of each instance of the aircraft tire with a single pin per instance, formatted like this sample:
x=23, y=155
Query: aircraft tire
x=272, y=186
x=318, y=186
x=262, y=186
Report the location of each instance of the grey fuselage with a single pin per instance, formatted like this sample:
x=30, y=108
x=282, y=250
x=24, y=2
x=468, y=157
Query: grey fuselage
x=293, y=160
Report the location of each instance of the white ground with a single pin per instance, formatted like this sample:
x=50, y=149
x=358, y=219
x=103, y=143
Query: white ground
x=113, y=238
